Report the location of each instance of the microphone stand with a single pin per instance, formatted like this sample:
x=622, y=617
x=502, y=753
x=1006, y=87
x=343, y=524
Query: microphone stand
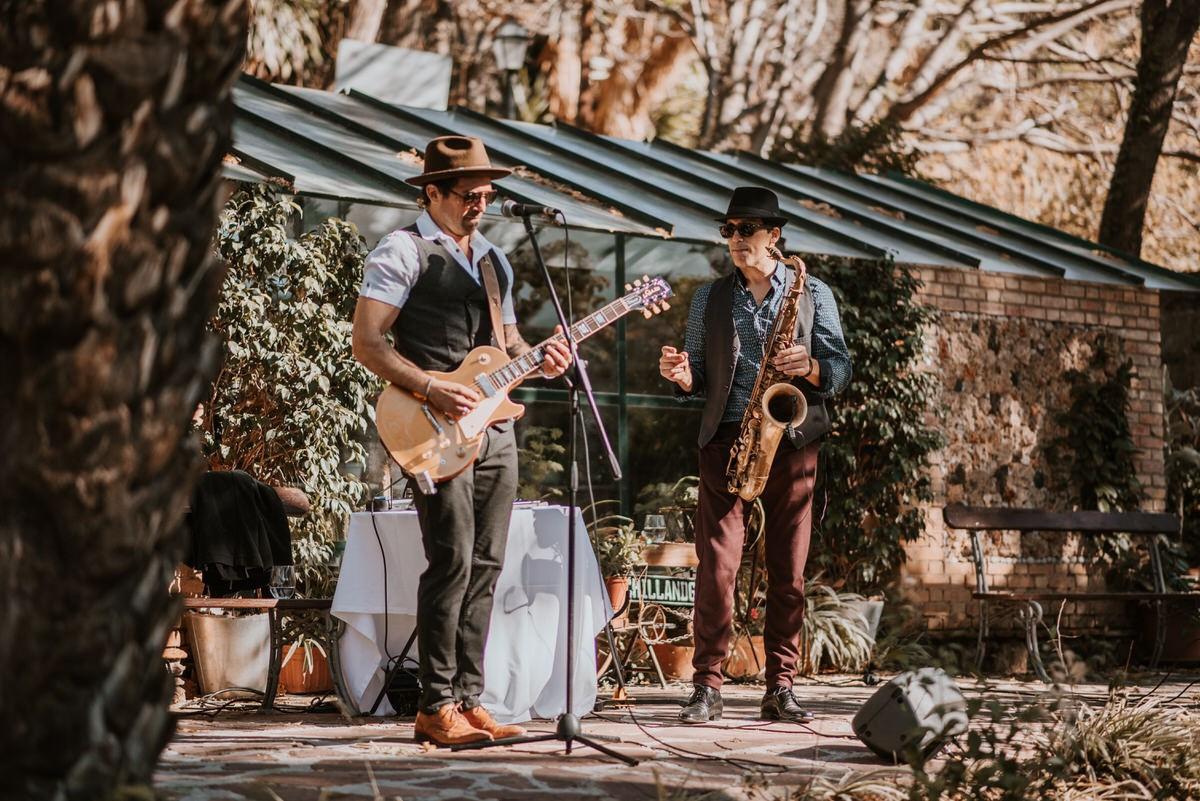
x=569, y=730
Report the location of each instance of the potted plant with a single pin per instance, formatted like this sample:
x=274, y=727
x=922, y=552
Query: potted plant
x=618, y=545
x=833, y=631
x=304, y=668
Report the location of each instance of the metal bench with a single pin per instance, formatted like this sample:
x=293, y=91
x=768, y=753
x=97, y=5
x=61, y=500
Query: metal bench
x=289, y=618
x=977, y=519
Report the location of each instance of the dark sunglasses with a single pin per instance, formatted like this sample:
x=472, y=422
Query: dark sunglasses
x=471, y=198
x=746, y=229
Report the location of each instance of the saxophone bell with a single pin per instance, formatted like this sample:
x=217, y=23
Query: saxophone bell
x=784, y=405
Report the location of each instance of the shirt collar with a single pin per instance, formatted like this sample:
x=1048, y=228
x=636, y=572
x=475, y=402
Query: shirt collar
x=776, y=277
x=430, y=230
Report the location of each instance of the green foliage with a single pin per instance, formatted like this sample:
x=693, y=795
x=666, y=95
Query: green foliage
x=875, y=147
x=1183, y=470
x=1097, y=444
x=875, y=464
x=538, y=462
x=289, y=405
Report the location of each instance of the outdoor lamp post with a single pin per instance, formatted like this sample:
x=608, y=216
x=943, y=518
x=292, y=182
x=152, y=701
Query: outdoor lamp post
x=509, y=47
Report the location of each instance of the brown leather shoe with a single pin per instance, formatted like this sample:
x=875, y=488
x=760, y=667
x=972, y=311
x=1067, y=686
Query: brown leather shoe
x=446, y=726
x=481, y=719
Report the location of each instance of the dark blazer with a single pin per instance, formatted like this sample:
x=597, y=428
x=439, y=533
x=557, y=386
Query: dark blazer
x=721, y=350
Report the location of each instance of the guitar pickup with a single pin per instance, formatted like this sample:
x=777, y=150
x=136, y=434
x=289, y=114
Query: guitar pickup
x=437, y=427
x=484, y=382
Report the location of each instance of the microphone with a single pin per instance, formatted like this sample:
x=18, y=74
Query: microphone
x=511, y=208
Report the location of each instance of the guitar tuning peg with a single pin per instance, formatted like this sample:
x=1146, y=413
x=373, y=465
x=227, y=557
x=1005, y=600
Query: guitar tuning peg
x=665, y=305
x=628, y=287
x=646, y=313
x=646, y=278
x=637, y=282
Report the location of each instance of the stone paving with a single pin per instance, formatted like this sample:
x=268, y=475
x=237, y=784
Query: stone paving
x=280, y=756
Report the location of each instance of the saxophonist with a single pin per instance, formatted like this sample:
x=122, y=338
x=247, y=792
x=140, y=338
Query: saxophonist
x=728, y=331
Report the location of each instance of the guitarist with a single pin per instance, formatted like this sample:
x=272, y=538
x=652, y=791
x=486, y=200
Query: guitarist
x=440, y=289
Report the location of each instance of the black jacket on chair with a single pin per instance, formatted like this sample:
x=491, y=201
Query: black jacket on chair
x=238, y=532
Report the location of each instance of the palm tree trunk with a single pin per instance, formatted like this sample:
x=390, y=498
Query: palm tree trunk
x=114, y=118
x=1168, y=27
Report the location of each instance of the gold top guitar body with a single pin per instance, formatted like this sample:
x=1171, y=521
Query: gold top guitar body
x=431, y=447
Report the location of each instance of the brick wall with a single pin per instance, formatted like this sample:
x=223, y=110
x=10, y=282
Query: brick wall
x=1000, y=350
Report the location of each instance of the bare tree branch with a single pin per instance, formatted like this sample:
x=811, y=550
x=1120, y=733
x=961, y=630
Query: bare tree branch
x=905, y=109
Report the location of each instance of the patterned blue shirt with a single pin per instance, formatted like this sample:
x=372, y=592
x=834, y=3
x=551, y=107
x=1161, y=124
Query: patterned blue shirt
x=753, y=322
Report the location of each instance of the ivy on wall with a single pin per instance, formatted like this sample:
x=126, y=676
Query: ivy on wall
x=874, y=470
x=1096, y=447
x=289, y=405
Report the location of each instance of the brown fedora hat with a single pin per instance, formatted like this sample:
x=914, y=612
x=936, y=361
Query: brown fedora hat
x=454, y=157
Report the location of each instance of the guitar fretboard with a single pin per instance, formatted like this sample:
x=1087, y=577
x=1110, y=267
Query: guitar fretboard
x=529, y=362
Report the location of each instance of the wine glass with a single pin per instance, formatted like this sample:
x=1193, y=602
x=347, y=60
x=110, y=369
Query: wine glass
x=655, y=528
x=283, y=581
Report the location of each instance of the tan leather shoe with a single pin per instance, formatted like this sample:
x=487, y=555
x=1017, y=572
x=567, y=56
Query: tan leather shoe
x=481, y=719
x=447, y=726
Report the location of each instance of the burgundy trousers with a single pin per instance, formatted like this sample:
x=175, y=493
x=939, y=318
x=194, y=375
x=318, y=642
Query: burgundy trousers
x=720, y=533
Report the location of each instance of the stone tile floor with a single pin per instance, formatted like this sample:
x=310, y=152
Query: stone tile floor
x=307, y=756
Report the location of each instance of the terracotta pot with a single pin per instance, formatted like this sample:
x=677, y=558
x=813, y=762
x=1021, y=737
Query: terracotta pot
x=747, y=658
x=1182, y=644
x=675, y=659
x=618, y=589
x=293, y=679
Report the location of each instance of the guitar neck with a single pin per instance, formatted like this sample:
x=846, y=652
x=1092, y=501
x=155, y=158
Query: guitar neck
x=527, y=363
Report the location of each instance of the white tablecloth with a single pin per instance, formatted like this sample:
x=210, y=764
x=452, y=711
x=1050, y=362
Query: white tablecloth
x=524, y=661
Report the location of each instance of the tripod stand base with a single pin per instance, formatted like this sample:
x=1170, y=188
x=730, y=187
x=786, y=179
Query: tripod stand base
x=569, y=731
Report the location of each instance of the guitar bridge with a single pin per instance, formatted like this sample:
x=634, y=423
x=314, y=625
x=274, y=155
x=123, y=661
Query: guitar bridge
x=425, y=483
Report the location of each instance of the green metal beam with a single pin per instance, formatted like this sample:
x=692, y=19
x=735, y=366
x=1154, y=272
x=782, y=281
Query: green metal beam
x=633, y=400
x=623, y=402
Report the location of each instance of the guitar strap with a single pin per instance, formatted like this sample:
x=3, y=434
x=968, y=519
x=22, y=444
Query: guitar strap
x=492, y=286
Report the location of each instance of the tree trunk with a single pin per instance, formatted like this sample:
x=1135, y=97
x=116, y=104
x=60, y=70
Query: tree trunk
x=366, y=18
x=114, y=118
x=832, y=92
x=1168, y=27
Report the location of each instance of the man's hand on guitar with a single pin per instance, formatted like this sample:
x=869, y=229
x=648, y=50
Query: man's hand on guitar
x=451, y=399
x=558, y=358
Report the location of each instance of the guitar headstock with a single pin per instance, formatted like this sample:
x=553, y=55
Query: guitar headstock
x=648, y=294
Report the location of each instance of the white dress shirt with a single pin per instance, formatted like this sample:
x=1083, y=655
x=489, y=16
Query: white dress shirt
x=392, y=268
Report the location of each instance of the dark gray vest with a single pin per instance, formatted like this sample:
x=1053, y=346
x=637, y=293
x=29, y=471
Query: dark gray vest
x=446, y=313
x=721, y=350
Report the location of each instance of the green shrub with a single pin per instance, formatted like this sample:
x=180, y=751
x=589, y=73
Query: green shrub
x=289, y=405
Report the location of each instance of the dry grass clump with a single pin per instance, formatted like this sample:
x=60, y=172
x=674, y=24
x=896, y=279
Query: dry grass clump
x=873, y=786
x=1123, y=750
x=1127, y=750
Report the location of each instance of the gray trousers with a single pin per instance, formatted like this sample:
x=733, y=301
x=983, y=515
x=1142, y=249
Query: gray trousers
x=464, y=528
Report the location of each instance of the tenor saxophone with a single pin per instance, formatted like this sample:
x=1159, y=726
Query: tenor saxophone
x=775, y=404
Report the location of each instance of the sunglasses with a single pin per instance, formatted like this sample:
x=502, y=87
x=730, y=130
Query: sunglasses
x=471, y=198
x=746, y=229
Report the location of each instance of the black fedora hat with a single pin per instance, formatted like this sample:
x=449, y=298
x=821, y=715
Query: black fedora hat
x=754, y=201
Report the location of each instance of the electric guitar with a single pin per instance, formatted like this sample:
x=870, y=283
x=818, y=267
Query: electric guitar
x=431, y=447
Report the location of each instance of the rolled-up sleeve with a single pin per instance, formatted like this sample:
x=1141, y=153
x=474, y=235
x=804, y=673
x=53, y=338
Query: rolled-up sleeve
x=828, y=342
x=391, y=269
x=695, y=343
